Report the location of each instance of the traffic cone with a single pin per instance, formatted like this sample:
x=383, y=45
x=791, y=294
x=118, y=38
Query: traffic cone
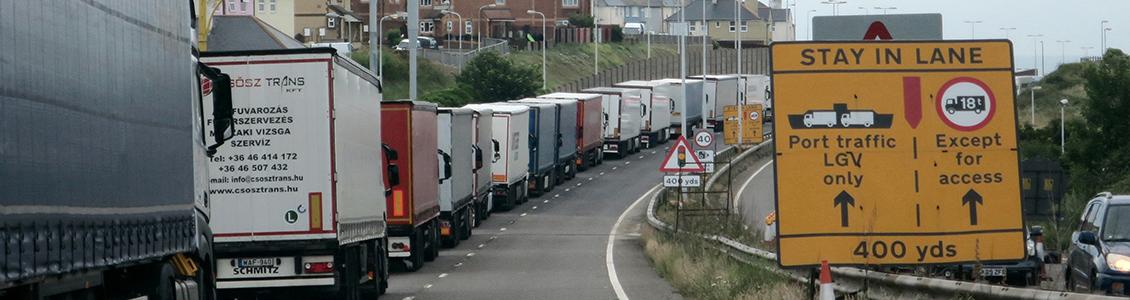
x=826, y=291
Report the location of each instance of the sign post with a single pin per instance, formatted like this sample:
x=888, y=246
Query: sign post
x=906, y=154
x=750, y=124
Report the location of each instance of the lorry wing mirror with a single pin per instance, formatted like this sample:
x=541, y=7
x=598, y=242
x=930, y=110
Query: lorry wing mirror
x=497, y=155
x=392, y=169
x=643, y=110
x=478, y=156
x=446, y=158
x=390, y=154
x=222, y=111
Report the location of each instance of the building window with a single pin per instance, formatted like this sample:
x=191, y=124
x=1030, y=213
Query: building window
x=306, y=32
x=569, y=3
x=331, y=22
x=500, y=2
x=717, y=24
x=231, y=5
x=274, y=5
x=426, y=2
x=692, y=27
x=427, y=26
x=467, y=26
x=262, y=5
x=745, y=27
x=732, y=27
x=364, y=28
x=450, y=26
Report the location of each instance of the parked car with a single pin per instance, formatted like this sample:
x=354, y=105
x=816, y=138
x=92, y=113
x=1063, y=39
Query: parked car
x=633, y=28
x=1026, y=272
x=425, y=43
x=1099, y=254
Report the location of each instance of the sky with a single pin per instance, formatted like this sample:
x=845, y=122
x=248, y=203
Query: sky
x=1078, y=21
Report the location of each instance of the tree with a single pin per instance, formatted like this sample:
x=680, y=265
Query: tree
x=491, y=78
x=1098, y=145
x=579, y=20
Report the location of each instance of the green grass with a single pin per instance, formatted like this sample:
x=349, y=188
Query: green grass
x=429, y=76
x=1066, y=82
x=569, y=62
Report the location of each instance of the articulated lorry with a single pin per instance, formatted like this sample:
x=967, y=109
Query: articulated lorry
x=623, y=116
x=721, y=91
x=543, y=146
x=456, y=154
x=297, y=195
x=656, y=104
x=589, y=127
x=566, y=136
x=408, y=129
x=757, y=89
x=511, y=157
x=104, y=162
x=691, y=100
x=484, y=147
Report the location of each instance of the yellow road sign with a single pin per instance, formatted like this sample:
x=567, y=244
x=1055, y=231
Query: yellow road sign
x=751, y=125
x=896, y=152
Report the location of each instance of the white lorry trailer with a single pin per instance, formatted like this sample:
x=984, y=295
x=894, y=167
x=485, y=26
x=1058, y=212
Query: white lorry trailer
x=511, y=158
x=456, y=156
x=657, y=108
x=623, y=116
x=298, y=199
x=691, y=101
x=481, y=166
x=757, y=89
x=721, y=91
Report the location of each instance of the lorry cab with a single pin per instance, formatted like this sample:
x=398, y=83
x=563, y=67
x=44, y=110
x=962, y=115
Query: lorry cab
x=544, y=141
x=409, y=128
x=566, y=135
x=510, y=158
x=456, y=158
x=623, y=116
x=687, y=103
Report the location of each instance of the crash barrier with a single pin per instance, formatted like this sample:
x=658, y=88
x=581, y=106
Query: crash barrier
x=873, y=284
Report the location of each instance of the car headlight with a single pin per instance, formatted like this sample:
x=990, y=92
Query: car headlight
x=1118, y=262
x=1031, y=248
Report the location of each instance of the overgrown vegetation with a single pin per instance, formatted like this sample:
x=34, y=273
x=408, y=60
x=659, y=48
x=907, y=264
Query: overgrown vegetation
x=430, y=76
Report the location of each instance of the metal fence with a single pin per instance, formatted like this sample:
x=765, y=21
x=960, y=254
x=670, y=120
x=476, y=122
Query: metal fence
x=719, y=61
x=457, y=59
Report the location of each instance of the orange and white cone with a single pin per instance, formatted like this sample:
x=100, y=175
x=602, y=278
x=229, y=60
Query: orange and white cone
x=826, y=291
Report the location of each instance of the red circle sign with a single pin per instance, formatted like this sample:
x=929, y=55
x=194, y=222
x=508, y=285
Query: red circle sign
x=965, y=103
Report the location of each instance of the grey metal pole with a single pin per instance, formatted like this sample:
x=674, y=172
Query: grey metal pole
x=683, y=64
x=1062, y=137
x=374, y=40
x=595, y=47
x=704, y=35
x=741, y=79
x=413, y=44
x=1033, y=105
x=543, y=79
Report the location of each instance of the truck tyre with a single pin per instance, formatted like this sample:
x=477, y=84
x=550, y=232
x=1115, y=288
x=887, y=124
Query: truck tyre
x=350, y=269
x=162, y=283
x=549, y=182
x=416, y=253
x=433, y=247
x=468, y=223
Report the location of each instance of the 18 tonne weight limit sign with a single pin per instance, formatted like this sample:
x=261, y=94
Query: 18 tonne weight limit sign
x=896, y=153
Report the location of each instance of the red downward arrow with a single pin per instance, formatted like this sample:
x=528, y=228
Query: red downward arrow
x=877, y=30
x=912, y=100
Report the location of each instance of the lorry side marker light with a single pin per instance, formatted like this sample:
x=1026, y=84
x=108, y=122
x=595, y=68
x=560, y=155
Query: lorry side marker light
x=315, y=211
x=398, y=203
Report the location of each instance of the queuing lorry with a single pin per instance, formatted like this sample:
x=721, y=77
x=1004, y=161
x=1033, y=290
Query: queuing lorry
x=456, y=151
x=484, y=147
x=691, y=100
x=105, y=188
x=589, y=127
x=721, y=91
x=543, y=146
x=656, y=106
x=510, y=128
x=296, y=199
x=566, y=136
x=757, y=89
x=408, y=130
x=623, y=116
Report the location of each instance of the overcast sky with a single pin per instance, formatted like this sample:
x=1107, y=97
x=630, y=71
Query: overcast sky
x=1078, y=21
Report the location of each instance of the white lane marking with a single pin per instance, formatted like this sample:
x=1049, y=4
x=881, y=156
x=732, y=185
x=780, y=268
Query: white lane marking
x=482, y=245
x=608, y=254
x=566, y=190
x=601, y=173
x=521, y=215
x=461, y=264
x=471, y=254
x=442, y=275
x=554, y=196
x=738, y=196
x=503, y=229
x=641, y=156
x=590, y=178
x=493, y=237
x=409, y=298
x=578, y=184
x=652, y=152
x=428, y=286
x=614, y=168
x=627, y=163
x=547, y=200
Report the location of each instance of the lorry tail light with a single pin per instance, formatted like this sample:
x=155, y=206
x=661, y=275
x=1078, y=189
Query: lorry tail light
x=445, y=228
x=398, y=204
x=315, y=211
x=403, y=247
x=318, y=267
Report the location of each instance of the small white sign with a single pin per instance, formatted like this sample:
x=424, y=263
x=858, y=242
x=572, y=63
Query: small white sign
x=687, y=181
x=703, y=138
x=706, y=157
x=678, y=28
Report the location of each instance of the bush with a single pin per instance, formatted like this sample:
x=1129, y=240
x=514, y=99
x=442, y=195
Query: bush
x=392, y=38
x=450, y=97
x=579, y=20
x=496, y=78
x=617, y=34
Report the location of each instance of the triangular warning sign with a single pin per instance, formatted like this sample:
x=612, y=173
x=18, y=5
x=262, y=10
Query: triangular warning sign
x=877, y=31
x=681, y=158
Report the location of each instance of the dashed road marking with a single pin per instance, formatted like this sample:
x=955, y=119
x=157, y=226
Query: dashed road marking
x=535, y=207
x=614, y=168
x=522, y=215
x=471, y=254
x=554, y=196
x=578, y=184
x=493, y=237
x=409, y=298
x=565, y=190
x=502, y=229
x=482, y=245
x=601, y=173
x=547, y=200
x=627, y=163
x=428, y=286
x=590, y=178
x=652, y=152
x=461, y=264
x=442, y=275
x=641, y=156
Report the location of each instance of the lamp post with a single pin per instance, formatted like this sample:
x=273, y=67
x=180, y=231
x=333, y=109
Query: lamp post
x=1062, y=137
x=1104, y=29
x=1104, y=41
x=810, y=24
x=1063, y=50
x=595, y=45
x=1032, y=107
x=480, y=23
x=532, y=12
x=886, y=8
x=380, y=50
x=834, y=4
x=461, y=26
x=1006, y=31
x=972, y=28
x=1035, y=52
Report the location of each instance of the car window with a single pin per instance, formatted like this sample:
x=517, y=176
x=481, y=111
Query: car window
x=1116, y=224
x=1088, y=217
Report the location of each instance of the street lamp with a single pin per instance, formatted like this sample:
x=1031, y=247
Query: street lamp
x=972, y=28
x=1104, y=41
x=1104, y=29
x=461, y=26
x=1006, y=30
x=1063, y=50
x=1033, y=106
x=834, y=4
x=810, y=23
x=886, y=8
x=533, y=12
x=380, y=50
x=480, y=23
x=1035, y=54
x=1062, y=138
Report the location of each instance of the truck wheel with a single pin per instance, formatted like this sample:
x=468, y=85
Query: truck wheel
x=350, y=269
x=162, y=283
x=549, y=182
x=433, y=248
x=416, y=253
x=468, y=222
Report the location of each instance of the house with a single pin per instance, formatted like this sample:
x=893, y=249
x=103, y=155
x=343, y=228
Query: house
x=504, y=19
x=245, y=32
x=649, y=12
x=235, y=8
x=718, y=22
x=777, y=21
x=278, y=14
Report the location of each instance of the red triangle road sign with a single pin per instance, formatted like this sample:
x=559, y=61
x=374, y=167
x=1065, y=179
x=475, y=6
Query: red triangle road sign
x=681, y=158
x=877, y=31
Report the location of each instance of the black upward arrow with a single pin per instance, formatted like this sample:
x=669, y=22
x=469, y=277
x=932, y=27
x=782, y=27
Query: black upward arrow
x=843, y=200
x=972, y=198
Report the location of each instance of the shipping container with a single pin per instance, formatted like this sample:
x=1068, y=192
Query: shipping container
x=590, y=127
x=104, y=151
x=690, y=98
x=566, y=135
x=456, y=158
x=657, y=109
x=721, y=91
x=511, y=157
x=484, y=148
x=409, y=129
x=298, y=196
x=623, y=116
